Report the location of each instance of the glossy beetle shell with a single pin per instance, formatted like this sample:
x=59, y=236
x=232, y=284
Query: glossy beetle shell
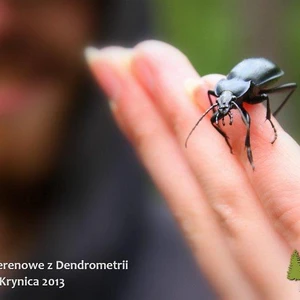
x=260, y=71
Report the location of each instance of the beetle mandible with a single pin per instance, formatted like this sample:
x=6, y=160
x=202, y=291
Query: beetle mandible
x=249, y=81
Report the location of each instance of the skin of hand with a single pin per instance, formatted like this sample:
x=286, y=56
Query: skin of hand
x=242, y=225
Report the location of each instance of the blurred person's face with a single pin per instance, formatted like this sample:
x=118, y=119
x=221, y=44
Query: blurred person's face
x=41, y=43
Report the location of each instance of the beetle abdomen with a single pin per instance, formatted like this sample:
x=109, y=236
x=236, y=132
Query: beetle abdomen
x=260, y=71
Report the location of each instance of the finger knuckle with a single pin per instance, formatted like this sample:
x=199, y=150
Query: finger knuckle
x=142, y=135
x=228, y=214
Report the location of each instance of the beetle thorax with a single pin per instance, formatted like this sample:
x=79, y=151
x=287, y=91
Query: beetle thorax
x=224, y=102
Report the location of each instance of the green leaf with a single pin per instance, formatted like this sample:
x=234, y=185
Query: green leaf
x=294, y=268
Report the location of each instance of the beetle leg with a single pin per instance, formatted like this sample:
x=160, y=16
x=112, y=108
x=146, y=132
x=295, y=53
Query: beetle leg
x=209, y=94
x=282, y=88
x=246, y=119
x=268, y=117
x=247, y=122
x=265, y=97
x=213, y=122
x=223, y=121
x=217, y=118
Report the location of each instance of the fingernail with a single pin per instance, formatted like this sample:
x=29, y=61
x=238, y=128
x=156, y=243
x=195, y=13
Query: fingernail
x=106, y=65
x=194, y=87
x=112, y=105
x=190, y=85
x=91, y=54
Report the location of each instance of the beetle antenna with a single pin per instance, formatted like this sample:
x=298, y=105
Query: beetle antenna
x=241, y=113
x=206, y=112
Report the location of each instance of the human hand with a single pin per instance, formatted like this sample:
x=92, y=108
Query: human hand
x=242, y=225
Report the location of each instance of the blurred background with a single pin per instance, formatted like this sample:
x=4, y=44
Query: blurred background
x=216, y=35
x=71, y=187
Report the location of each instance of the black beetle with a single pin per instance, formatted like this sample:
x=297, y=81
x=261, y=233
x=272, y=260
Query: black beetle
x=249, y=81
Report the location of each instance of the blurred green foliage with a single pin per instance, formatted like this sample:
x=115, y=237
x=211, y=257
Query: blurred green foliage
x=216, y=34
x=201, y=30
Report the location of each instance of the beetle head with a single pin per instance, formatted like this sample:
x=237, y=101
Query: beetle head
x=225, y=102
